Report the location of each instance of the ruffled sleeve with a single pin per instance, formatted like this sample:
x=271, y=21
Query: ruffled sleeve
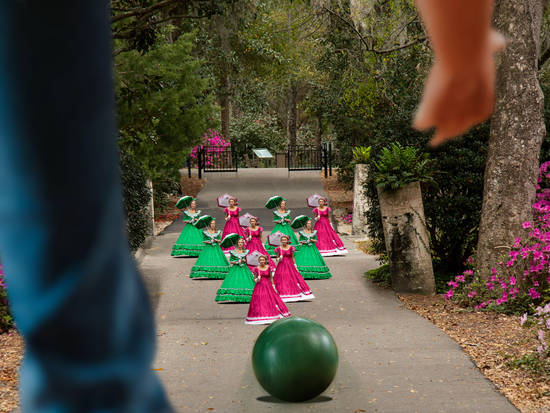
x=233, y=258
x=315, y=211
x=292, y=249
x=226, y=211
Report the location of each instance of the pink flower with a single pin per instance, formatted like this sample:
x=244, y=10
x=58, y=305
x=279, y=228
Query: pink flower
x=526, y=225
x=453, y=284
x=534, y=294
x=468, y=272
x=523, y=319
x=490, y=285
x=472, y=294
x=513, y=280
x=449, y=294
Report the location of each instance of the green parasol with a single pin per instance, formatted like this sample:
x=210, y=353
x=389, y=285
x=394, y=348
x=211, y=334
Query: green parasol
x=274, y=202
x=230, y=240
x=203, y=221
x=300, y=221
x=184, y=202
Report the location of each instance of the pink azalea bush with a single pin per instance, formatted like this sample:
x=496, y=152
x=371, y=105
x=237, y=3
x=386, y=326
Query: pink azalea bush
x=540, y=322
x=520, y=282
x=347, y=218
x=214, y=144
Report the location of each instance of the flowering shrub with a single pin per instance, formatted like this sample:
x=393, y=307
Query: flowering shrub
x=214, y=144
x=540, y=321
x=6, y=321
x=167, y=217
x=521, y=280
x=348, y=219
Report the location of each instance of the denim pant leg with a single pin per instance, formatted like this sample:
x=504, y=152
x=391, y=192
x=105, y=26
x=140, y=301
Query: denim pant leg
x=76, y=295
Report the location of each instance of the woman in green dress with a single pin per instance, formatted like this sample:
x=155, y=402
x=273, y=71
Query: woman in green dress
x=282, y=218
x=309, y=260
x=189, y=243
x=239, y=282
x=211, y=262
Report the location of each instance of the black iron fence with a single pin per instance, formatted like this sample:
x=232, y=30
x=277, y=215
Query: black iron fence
x=297, y=158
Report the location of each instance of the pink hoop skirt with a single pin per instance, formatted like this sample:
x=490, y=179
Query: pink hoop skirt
x=328, y=241
x=289, y=282
x=265, y=305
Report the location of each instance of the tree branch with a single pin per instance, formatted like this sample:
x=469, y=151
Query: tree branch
x=368, y=47
x=146, y=10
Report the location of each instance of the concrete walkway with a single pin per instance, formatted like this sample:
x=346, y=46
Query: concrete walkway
x=391, y=360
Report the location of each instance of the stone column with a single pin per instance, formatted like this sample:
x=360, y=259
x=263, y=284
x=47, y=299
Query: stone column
x=360, y=201
x=406, y=239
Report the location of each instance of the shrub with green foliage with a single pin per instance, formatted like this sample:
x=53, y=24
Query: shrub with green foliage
x=380, y=275
x=361, y=154
x=6, y=320
x=398, y=166
x=164, y=105
x=136, y=196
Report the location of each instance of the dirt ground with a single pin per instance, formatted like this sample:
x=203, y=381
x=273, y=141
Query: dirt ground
x=191, y=186
x=338, y=195
x=11, y=351
x=492, y=341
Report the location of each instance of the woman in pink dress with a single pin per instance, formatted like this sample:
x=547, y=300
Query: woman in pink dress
x=265, y=305
x=232, y=213
x=328, y=241
x=254, y=239
x=288, y=281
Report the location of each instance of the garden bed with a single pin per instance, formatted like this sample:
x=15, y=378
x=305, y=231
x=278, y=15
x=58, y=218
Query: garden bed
x=189, y=186
x=493, y=341
x=11, y=353
x=340, y=197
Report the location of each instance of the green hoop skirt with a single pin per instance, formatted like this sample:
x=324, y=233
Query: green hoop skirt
x=287, y=230
x=311, y=264
x=237, y=286
x=189, y=243
x=211, y=263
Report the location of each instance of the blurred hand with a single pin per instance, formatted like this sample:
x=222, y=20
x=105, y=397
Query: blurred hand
x=457, y=98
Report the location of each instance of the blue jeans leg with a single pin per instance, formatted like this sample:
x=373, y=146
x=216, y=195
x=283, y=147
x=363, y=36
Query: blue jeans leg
x=75, y=292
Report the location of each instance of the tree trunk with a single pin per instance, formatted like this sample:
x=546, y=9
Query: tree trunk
x=224, y=108
x=318, y=131
x=517, y=132
x=292, y=113
x=224, y=85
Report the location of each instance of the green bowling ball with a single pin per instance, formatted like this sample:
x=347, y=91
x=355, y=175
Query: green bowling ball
x=295, y=359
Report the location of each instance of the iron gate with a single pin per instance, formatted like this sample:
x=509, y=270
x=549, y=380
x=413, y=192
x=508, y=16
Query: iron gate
x=310, y=158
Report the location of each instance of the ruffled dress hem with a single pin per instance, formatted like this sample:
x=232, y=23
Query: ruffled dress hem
x=217, y=273
x=265, y=320
x=186, y=250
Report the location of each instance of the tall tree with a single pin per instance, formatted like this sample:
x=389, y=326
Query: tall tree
x=517, y=131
